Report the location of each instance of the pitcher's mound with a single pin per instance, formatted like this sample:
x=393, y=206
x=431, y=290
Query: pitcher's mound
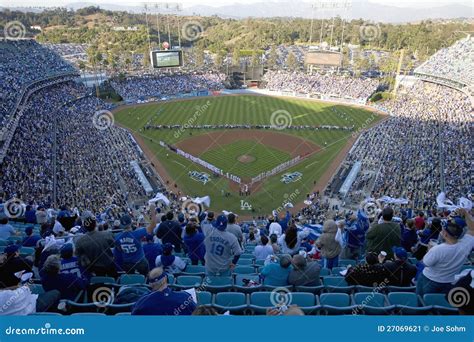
x=246, y=159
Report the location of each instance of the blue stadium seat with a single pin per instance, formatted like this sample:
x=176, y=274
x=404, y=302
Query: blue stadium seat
x=102, y=280
x=260, y=262
x=187, y=282
x=311, y=289
x=45, y=314
x=245, y=262
x=337, y=284
x=5, y=242
x=15, y=239
x=408, y=303
x=239, y=284
x=194, y=270
x=130, y=279
x=323, y=272
x=335, y=271
x=401, y=289
x=204, y=298
x=26, y=251
x=336, y=303
x=247, y=256
x=440, y=305
x=271, y=287
x=305, y=300
x=372, y=303
x=88, y=314
x=243, y=270
x=362, y=288
x=218, y=284
x=235, y=302
x=260, y=302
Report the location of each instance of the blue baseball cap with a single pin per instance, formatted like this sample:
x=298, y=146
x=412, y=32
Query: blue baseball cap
x=11, y=249
x=221, y=222
x=125, y=220
x=167, y=248
x=400, y=252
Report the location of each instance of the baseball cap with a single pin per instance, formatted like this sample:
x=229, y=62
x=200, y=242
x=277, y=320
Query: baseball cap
x=210, y=215
x=167, y=248
x=181, y=217
x=453, y=229
x=125, y=220
x=11, y=249
x=400, y=252
x=221, y=222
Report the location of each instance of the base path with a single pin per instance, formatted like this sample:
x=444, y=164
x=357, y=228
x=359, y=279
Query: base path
x=295, y=146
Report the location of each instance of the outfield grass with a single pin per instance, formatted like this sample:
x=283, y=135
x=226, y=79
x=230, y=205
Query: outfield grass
x=246, y=109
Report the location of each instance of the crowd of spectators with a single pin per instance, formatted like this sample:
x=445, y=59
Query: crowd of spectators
x=16, y=54
x=135, y=88
x=455, y=62
x=327, y=84
x=422, y=143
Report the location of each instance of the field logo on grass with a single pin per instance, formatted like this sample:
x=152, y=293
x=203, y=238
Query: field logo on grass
x=369, y=32
x=244, y=205
x=291, y=177
x=199, y=176
x=199, y=110
x=280, y=119
x=103, y=119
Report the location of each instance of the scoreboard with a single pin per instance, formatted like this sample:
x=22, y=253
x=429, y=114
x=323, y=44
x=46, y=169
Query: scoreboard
x=166, y=58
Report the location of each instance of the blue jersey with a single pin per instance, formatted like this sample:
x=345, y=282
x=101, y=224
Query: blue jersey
x=71, y=265
x=166, y=302
x=128, y=244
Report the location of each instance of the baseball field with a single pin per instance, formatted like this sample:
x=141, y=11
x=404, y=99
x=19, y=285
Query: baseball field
x=263, y=132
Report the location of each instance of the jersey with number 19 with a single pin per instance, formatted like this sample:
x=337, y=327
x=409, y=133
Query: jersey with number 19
x=221, y=248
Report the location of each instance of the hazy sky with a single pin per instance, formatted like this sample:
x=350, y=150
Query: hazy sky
x=215, y=3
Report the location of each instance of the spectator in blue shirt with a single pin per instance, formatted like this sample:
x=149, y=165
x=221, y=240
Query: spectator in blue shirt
x=70, y=263
x=163, y=301
x=194, y=242
x=128, y=246
x=6, y=229
x=276, y=272
x=30, y=240
x=68, y=284
x=30, y=214
x=356, y=228
x=409, y=234
x=152, y=250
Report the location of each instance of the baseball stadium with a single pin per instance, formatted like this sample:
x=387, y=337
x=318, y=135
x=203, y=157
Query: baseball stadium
x=205, y=159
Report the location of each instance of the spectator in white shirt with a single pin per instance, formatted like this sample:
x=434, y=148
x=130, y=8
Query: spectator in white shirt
x=444, y=261
x=263, y=250
x=275, y=228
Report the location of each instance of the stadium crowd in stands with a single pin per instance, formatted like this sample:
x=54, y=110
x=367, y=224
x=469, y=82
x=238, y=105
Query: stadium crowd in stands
x=339, y=86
